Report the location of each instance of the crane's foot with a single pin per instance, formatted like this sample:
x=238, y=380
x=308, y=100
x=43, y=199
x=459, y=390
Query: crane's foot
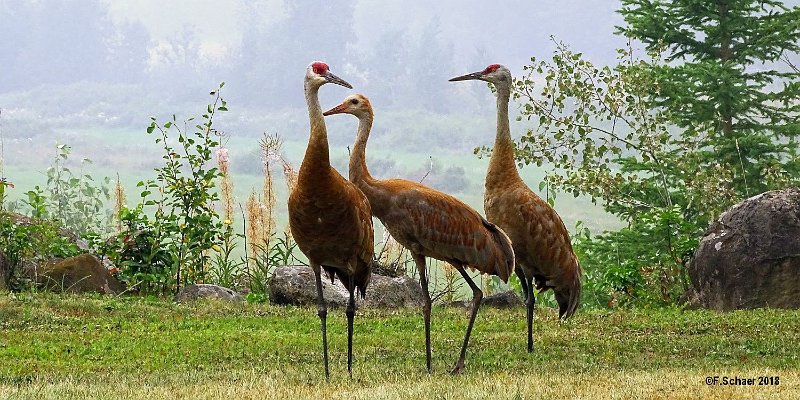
x=458, y=368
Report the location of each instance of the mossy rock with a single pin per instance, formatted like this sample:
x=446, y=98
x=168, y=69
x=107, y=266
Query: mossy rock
x=79, y=274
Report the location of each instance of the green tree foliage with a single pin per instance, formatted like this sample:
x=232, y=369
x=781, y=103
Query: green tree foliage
x=605, y=138
x=611, y=133
x=669, y=142
x=723, y=75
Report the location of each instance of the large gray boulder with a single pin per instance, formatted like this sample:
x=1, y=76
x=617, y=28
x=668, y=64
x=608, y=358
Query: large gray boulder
x=205, y=291
x=294, y=285
x=750, y=256
x=393, y=292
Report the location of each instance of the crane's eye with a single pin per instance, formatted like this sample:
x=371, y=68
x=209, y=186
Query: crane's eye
x=354, y=101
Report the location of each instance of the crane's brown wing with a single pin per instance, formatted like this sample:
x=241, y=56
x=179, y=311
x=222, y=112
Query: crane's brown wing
x=548, y=242
x=447, y=229
x=331, y=222
x=365, y=239
x=542, y=243
x=505, y=246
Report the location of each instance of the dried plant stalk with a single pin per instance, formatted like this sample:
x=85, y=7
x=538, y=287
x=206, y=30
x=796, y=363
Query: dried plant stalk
x=226, y=186
x=269, y=146
x=253, y=232
x=119, y=203
x=271, y=152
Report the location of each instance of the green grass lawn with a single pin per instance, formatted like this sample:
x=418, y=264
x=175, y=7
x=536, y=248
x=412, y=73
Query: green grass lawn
x=65, y=347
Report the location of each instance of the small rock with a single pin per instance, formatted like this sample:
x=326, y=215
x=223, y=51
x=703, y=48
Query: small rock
x=204, y=291
x=507, y=299
x=79, y=274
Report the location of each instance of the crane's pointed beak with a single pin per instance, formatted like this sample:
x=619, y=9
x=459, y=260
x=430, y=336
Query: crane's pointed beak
x=335, y=79
x=468, y=77
x=336, y=110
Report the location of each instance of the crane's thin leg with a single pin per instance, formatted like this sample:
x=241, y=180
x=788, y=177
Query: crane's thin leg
x=477, y=297
x=322, y=311
x=530, y=301
x=426, y=308
x=351, y=312
x=523, y=283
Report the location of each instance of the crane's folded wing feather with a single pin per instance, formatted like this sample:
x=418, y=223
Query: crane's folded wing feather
x=450, y=230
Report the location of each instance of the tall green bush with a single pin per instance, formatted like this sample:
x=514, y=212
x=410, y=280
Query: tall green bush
x=174, y=247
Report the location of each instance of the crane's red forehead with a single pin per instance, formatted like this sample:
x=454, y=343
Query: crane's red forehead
x=491, y=68
x=319, y=67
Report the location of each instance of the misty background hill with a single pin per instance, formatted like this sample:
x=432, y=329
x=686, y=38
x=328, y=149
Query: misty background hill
x=90, y=73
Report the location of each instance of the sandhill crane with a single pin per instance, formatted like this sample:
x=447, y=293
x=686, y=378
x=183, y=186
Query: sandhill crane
x=429, y=223
x=329, y=217
x=541, y=241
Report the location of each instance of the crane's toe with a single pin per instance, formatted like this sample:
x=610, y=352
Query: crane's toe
x=458, y=368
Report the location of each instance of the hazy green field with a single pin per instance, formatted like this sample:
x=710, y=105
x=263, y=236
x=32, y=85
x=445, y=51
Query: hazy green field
x=64, y=347
x=132, y=154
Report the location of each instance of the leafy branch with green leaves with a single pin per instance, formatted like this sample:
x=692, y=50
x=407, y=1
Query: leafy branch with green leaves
x=185, y=228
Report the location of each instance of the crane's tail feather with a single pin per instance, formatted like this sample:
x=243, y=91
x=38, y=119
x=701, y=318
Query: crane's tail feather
x=569, y=305
x=361, y=278
x=503, y=243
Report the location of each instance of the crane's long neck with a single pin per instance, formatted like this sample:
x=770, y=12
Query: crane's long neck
x=359, y=174
x=502, y=169
x=316, y=159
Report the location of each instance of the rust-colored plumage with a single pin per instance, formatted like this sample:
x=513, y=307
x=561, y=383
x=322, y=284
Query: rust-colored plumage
x=329, y=217
x=429, y=223
x=542, y=247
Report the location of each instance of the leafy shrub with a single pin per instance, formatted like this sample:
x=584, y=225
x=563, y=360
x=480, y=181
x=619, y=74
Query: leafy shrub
x=173, y=247
x=623, y=275
x=75, y=200
x=30, y=242
x=140, y=255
